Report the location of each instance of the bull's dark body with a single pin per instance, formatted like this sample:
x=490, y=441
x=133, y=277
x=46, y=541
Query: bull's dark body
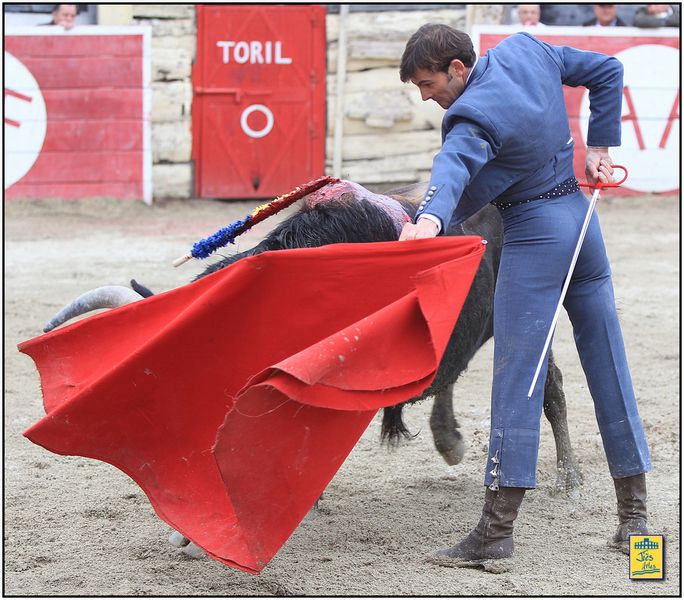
x=360, y=221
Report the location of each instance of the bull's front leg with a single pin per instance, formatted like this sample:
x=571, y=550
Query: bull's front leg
x=569, y=477
x=448, y=439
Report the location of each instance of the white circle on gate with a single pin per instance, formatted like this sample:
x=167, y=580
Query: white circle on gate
x=269, y=120
x=25, y=120
x=650, y=147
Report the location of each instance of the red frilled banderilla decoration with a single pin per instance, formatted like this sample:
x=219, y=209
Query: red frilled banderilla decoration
x=232, y=401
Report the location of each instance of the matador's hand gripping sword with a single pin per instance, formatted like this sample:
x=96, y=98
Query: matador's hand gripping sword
x=597, y=189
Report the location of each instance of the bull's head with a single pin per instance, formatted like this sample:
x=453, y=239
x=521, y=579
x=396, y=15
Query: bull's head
x=340, y=211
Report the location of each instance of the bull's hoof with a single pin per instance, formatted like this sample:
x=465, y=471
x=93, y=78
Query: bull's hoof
x=491, y=565
x=452, y=451
x=193, y=551
x=178, y=540
x=569, y=481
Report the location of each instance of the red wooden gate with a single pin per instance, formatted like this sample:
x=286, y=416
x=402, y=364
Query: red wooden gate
x=259, y=99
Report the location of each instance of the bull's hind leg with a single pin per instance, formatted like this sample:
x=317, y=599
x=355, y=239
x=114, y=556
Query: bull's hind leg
x=569, y=477
x=178, y=540
x=448, y=439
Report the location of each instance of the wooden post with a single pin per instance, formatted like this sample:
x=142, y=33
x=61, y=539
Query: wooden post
x=339, y=96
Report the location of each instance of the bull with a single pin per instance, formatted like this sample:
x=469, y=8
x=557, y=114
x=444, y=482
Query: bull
x=348, y=213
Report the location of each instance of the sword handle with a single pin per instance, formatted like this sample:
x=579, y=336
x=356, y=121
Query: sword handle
x=599, y=185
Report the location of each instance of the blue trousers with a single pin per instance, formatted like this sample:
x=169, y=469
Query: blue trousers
x=539, y=242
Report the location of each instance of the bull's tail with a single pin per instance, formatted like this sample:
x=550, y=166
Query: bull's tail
x=393, y=426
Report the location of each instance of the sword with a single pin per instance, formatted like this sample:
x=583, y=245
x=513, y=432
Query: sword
x=594, y=198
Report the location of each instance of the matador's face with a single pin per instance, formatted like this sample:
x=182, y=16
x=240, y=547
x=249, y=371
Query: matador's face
x=443, y=88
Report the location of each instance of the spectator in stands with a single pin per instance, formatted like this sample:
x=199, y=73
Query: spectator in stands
x=606, y=16
x=64, y=15
x=657, y=15
x=528, y=15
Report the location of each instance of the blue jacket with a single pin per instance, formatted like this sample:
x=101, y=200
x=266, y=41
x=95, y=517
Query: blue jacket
x=507, y=136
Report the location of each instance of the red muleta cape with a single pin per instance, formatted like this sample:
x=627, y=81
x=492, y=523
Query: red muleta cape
x=232, y=401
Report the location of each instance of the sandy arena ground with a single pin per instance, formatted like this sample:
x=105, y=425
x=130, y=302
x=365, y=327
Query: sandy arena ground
x=74, y=526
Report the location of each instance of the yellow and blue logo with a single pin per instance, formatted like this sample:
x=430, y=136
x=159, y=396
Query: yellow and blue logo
x=646, y=557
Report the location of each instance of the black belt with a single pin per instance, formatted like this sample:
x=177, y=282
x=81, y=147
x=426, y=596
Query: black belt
x=569, y=186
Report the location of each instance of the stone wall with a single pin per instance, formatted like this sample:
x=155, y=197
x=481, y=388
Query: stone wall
x=174, y=35
x=389, y=134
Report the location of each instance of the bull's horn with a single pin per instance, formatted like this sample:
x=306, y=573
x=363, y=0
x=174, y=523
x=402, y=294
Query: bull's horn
x=109, y=296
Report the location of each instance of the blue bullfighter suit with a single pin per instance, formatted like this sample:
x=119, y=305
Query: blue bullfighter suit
x=506, y=140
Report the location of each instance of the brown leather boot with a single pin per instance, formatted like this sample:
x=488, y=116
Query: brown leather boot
x=631, y=509
x=491, y=542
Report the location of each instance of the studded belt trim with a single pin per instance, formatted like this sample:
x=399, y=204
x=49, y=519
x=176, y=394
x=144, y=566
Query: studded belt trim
x=569, y=186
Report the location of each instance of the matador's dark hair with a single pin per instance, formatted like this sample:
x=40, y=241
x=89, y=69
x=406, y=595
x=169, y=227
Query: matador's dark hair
x=433, y=47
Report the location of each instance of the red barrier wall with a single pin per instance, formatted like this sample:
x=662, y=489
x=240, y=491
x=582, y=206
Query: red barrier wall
x=77, y=113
